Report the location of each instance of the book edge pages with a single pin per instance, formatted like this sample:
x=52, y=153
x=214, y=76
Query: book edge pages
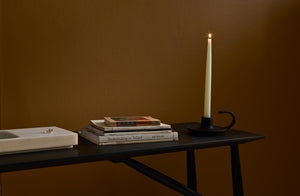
x=128, y=132
x=89, y=136
x=135, y=142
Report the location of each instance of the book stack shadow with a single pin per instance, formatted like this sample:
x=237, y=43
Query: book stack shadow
x=127, y=130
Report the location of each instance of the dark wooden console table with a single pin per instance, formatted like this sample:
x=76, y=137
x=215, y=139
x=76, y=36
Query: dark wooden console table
x=88, y=152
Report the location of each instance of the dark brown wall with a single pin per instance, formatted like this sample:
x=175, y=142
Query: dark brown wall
x=66, y=62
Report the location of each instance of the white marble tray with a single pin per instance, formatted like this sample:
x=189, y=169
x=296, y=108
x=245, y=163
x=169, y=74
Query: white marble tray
x=36, y=139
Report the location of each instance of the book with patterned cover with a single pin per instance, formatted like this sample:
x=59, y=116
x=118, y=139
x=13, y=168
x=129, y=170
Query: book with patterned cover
x=131, y=121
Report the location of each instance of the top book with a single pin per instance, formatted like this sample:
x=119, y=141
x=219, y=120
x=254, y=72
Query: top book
x=131, y=121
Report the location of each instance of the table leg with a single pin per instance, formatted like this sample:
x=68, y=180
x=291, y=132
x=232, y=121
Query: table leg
x=0, y=184
x=191, y=170
x=236, y=171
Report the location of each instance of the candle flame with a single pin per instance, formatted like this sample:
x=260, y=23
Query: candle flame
x=209, y=35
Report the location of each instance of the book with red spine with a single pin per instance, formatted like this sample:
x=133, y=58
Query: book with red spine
x=131, y=121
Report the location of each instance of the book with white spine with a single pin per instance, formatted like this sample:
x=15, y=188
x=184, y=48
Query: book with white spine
x=98, y=139
x=129, y=132
x=100, y=124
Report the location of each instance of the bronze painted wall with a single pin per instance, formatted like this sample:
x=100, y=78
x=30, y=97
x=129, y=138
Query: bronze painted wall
x=66, y=62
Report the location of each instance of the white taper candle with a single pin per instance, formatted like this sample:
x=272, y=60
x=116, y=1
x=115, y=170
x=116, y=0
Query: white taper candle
x=207, y=95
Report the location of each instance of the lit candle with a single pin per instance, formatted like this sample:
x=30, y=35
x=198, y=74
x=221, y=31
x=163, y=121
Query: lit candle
x=207, y=95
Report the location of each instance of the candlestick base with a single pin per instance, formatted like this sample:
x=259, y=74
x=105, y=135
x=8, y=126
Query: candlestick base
x=207, y=128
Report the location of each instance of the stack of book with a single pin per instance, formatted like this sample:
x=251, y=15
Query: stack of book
x=126, y=130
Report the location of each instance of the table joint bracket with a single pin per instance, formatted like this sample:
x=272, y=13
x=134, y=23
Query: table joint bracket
x=158, y=176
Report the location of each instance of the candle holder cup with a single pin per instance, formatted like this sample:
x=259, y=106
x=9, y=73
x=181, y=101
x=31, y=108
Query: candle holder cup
x=207, y=128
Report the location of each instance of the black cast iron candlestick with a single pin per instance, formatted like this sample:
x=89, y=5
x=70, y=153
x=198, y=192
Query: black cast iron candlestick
x=207, y=128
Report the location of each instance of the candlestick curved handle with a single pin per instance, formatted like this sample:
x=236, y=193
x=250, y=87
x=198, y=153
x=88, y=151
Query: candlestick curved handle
x=233, y=118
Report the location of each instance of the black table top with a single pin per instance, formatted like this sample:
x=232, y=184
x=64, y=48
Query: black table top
x=87, y=151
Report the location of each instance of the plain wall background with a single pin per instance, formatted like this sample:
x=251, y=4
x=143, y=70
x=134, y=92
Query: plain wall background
x=64, y=62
